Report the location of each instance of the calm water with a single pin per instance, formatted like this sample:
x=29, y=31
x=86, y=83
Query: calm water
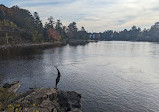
x=112, y=76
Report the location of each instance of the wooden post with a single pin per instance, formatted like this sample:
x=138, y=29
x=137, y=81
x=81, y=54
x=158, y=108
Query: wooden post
x=6, y=38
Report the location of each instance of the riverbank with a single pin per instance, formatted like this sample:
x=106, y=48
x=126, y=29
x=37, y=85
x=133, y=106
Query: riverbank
x=45, y=44
x=38, y=100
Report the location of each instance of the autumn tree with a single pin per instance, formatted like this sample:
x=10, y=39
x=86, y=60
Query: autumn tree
x=53, y=34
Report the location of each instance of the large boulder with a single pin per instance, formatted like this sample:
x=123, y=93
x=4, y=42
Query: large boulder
x=74, y=98
x=69, y=99
x=12, y=87
x=63, y=100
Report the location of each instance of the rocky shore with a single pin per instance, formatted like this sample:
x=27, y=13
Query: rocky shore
x=38, y=100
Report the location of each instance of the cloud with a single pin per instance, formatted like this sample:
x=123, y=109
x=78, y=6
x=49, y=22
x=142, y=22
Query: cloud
x=37, y=3
x=96, y=15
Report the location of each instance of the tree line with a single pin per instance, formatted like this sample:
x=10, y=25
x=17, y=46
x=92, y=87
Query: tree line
x=134, y=34
x=27, y=27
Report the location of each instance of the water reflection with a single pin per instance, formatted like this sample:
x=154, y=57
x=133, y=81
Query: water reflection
x=112, y=76
x=13, y=53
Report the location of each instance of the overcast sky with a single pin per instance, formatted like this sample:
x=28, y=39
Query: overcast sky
x=95, y=15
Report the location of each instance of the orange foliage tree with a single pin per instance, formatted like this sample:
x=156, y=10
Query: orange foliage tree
x=53, y=34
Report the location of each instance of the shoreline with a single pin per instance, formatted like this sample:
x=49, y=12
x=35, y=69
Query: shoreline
x=46, y=44
x=38, y=99
x=25, y=45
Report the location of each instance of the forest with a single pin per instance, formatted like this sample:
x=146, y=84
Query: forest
x=19, y=25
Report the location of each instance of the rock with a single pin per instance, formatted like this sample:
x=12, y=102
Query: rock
x=76, y=110
x=74, y=99
x=1, y=107
x=37, y=96
x=48, y=105
x=69, y=99
x=76, y=105
x=5, y=96
x=12, y=87
x=36, y=109
x=63, y=100
x=73, y=96
x=42, y=99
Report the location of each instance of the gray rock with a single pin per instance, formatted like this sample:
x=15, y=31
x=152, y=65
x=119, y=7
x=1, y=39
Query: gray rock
x=12, y=87
x=76, y=104
x=74, y=99
x=63, y=100
x=48, y=105
x=44, y=99
x=37, y=96
x=73, y=96
x=69, y=99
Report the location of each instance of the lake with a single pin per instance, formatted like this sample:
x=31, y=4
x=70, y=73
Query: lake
x=111, y=76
